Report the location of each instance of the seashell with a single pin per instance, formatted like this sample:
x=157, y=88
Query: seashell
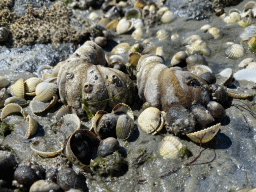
x=162, y=35
x=152, y=8
x=215, y=33
x=189, y=40
x=64, y=110
x=3, y=82
x=252, y=43
x=51, y=80
x=69, y=123
x=31, y=83
x=198, y=46
x=194, y=60
x=149, y=50
x=133, y=13
x=171, y=147
x=225, y=77
x=245, y=62
x=18, y=88
x=251, y=65
x=112, y=25
x=139, y=4
x=151, y=120
x=104, y=21
x=178, y=58
x=239, y=94
x=17, y=100
x=124, y=126
x=93, y=16
x=168, y=17
x=205, y=28
x=248, y=32
x=232, y=18
x=122, y=108
x=202, y=115
x=32, y=127
x=137, y=34
x=208, y=77
x=120, y=48
x=37, y=106
x=235, y=51
x=45, y=91
x=138, y=23
x=107, y=146
x=205, y=135
x=46, y=153
x=101, y=41
x=133, y=59
x=12, y=108
x=79, y=148
x=115, y=59
x=124, y=26
x=175, y=37
x=162, y=10
x=3, y=96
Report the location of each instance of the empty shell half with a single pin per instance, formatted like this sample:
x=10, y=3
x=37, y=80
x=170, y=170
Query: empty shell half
x=32, y=126
x=12, y=108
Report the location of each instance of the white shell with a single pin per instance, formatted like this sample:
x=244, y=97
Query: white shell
x=93, y=16
x=3, y=96
x=235, y=51
x=248, y=32
x=45, y=91
x=189, y=40
x=124, y=26
x=171, y=147
x=232, y=18
x=168, y=17
x=137, y=34
x=205, y=28
x=47, y=153
x=151, y=120
x=37, y=106
x=69, y=124
x=198, y=46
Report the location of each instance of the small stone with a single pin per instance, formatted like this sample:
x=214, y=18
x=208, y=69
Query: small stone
x=44, y=185
x=7, y=164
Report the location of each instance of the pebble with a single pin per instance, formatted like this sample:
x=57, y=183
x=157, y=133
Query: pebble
x=44, y=186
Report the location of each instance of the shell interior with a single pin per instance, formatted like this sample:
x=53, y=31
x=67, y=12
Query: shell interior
x=122, y=108
x=37, y=106
x=12, y=108
x=33, y=125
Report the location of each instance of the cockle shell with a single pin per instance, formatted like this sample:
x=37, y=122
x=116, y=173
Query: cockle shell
x=234, y=51
x=32, y=127
x=45, y=91
x=189, y=40
x=168, y=17
x=37, y=106
x=124, y=26
x=18, y=88
x=151, y=120
x=204, y=135
x=171, y=147
x=3, y=96
x=31, y=83
x=69, y=123
x=3, y=82
x=178, y=57
x=122, y=108
x=17, y=100
x=12, y=108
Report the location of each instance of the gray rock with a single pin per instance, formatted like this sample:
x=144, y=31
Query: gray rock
x=44, y=186
x=7, y=163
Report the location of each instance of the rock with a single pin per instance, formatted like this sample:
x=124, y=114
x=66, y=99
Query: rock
x=4, y=34
x=7, y=164
x=44, y=186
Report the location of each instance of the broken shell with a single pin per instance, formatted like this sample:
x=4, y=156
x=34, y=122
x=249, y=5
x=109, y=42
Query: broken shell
x=151, y=120
x=122, y=108
x=3, y=96
x=171, y=147
x=44, y=69
x=215, y=32
x=168, y=17
x=234, y=51
x=17, y=100
x=37, y=106
x=12, y=108
x=205, y=28
x=205, y=135
x=18, y=88
x=45, y=91
x=133, y=13
x=32, y=127
x=107, y=146
x=3, y=82
x=162, y=35
x=64, y=110
x=124, y=26
x=178, y=58
x=124, y=126
x=31, y=83
x=69, y=123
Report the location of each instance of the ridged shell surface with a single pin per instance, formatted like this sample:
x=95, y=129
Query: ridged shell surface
x=248, y=32
x=31, y=83
x=170, y=147
x=12, y=108
x=235, y=51
x=45, y=91
x=18, y=88
x=32, y=127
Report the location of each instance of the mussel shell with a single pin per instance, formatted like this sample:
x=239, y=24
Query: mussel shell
x=124, y=126
x=107, y=146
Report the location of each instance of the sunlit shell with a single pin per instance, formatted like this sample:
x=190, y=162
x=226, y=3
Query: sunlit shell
x=122, y=108
x=32, y=127
x=31, y=83
x=12, y=108
x=248, y=32
x=37, y=106
x=171, y=147
x=251, y=65
x=138, y=23
x=45, y=91
x=17, y=100
x=93, y=16
x=235, y=51
x=162, y=34
x=51, y=80
x=139, y=4
x=3, y=96
x=124, y=26
x=151, y=120
x=246, y=74
x=137, y=34
x=112, y=25
x=244, y=63
x=18, y=88
x=133, y=13
x=124, y=126
x=178, y=57
x=198, y=46
x=225, y=77
x=240, y=93
x=168, y=17
x=150, y=50
x=205, y=135
x=162, y=10
x=136, y=48
x=3, y=82
x=215, y=32
x=232, y=18
x=64, y=110
x=189, y=40
x=121, y=48
x=69, y=123
x=201, y=69
x=205, y=28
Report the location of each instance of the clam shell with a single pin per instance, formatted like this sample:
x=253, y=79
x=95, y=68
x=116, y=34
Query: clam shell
x=31, y=83
x=3, y=82
x=246, y=74
x=69, y=123
x=178, y=57
x=205, y=135
x=171, y=147
x=201, y=69
x=64, y=110
x=122, y=108
x=32, y=127
x=245, y=62
x=162, y=35
x=37, y=106
x=12, y=108
x=215, y=32
x=151, y=120
x=133, y=13
x=139, y=4
x=235, y=51
x=45, y=91
x=124, y=126
x=121, y=48
x=168, y=17
x=160, y=52
x=18, y=88
x=124, y=26
x=107, y=146
x=205, y=28
x=248, y=32
x=17, y=100
x=3, y=96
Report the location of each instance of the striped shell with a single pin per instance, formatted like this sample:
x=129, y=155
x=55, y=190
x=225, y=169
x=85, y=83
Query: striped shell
x=3, y=82
x=235, y=51
x=45, y=91
x=205, y=135
x=171, y=147
x=32, y=127
x=37, y=106
x=122, y=108
x=31, y=83
x=18, y=88
x=12, y=108
x=151, y=120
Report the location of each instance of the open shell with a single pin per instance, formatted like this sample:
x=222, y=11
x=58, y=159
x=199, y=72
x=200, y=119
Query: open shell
x=31, y=83
x=205, y=135
x=171, y=147
x=45, y=91
x=18, y=88
x=69, y=123
x=32, y=127
x=124, y=26
x=151, y=120
x=12, y=108
x=122, y=108
x=37, y=106
x=96, y=118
